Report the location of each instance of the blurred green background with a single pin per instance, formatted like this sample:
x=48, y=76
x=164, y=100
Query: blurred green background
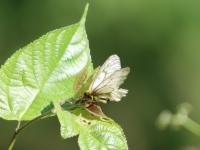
x=159, y=40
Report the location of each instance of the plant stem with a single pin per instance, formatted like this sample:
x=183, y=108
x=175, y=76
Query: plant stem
x=25, y=125
x=13, y=140
x=192, y=126
x=19, y=129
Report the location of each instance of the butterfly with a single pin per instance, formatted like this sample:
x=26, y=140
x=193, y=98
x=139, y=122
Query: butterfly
x=106, y=83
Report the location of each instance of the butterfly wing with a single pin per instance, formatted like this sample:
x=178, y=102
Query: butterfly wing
x=113, y=81
x=108, y=79
x=111, y=65
x=109, y=88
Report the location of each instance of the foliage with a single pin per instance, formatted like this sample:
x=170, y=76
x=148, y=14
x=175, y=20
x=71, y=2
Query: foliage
x=51, y=69
x=94, y=132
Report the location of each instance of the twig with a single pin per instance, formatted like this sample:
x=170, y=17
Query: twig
x=13, y=140
x=25, y=125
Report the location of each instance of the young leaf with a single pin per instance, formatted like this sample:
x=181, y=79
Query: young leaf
x=94, y=132
x=102, y=135
x=68, y=122
x=44, y=71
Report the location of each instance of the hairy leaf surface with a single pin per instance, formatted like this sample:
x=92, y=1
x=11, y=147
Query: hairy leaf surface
x=94, y=132
x=69, y=126
x=43, y=71
x=102, y=135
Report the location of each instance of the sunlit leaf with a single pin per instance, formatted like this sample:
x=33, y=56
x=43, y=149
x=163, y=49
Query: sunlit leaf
x=44, y=71
x=95, y=132
x=69, y=126
x=102, y=135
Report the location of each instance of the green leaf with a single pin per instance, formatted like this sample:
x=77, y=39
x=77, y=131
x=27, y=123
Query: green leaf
x=94, y=132
x=102, y=135
x=45, y=70
x=69, y=126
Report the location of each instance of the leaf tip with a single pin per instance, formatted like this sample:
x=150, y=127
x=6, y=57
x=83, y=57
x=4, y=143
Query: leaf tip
x=83, y=18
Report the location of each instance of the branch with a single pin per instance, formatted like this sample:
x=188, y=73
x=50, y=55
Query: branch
x=18, y=129
x=13, y=140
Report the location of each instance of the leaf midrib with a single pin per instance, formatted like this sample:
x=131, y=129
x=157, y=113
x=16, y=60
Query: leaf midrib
x=43, y=85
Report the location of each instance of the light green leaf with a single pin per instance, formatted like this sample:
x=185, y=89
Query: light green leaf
x=44, y=71
x=102, y=135
x=69, y=126
x=94, y=132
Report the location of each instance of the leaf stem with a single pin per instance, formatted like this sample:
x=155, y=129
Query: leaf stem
x=19, y=128
x=13, y=140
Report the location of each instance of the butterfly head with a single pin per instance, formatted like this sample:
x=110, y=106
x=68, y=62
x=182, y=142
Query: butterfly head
x=88, y=95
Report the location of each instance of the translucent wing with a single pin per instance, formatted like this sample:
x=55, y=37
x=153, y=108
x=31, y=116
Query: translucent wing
x=117, y=94
x=111, y=65
x=109, y=88
x=113, y=82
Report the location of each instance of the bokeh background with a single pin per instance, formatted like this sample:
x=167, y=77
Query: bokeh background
x=159, y=40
